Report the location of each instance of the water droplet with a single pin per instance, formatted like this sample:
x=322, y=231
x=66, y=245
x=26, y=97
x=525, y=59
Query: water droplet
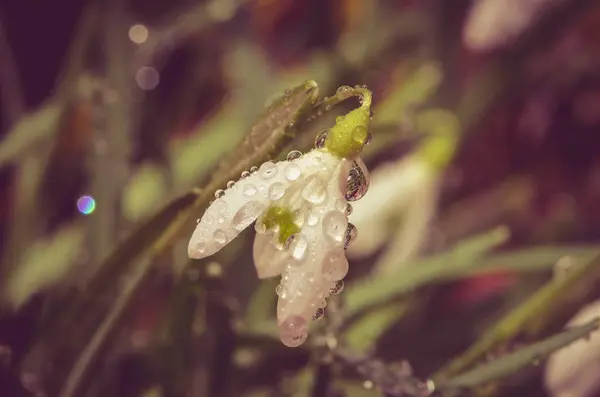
x=368, y=140
x=319, y=313
x=357, y=182
x=260, y=227
x=276, y=191
x=281, y=291
x=292, y=172
x=201, y=247
x=293, y=155
x=298, y=248
x=335, y=266
x=230, y=184
x=320, y=140
x=351, y=233
x=246, y=215
x=245, y=174
x=343, y=92
x=339, y=119
x=313, y=218
x=249, y=190
x=340, y=205
x=220, y=236
x=314, y=190
x=360, y=134
x=293, y=331
x=253, y=169
x=337, y=288
x=299, y=216
x=348, y=209
x=197, y=221
x=268, y=170
x=219, y=193
x=334, y=226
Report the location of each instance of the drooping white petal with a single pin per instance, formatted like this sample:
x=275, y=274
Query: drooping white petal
x=573, y=370
x=393, y=186
x=317, y=253
x=408, y=239
x=494, y=23
x=269, y=260
x=236, y=209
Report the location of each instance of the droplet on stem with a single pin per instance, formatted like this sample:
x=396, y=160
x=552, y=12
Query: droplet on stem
x=320, y=140
x=293, y=155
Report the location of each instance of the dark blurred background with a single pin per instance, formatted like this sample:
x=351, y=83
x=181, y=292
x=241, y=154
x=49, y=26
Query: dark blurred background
x=112, y=109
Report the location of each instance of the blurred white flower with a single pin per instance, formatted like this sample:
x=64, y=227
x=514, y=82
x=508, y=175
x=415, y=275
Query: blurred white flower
x=405, y=189
x=574, y=371
x=494, y=23
x=301, y=210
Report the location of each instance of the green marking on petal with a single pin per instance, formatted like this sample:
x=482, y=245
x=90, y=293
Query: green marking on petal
x=349, y=134
x=283, y=219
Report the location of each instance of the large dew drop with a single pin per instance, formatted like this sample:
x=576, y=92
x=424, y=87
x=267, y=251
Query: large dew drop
x=335, y=266
x=276, y=191
x=314, y=190
x=220, y=236
x=293, y=155
x=292, y=172
x=334, y=227
x=298, y=248
x=293, y=331
x=268, y=170
x=246, y=215
x=249, y=190
x=357, y=182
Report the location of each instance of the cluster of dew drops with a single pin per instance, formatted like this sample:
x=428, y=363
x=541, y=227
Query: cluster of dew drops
x=356, y=187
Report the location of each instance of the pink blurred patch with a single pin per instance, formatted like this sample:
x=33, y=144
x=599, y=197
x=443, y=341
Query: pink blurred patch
x=478, y=289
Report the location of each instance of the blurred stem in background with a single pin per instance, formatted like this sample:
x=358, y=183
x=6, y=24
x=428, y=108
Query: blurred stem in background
x=421, y=101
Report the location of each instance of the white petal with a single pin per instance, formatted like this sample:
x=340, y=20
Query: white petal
x=269, y=260
x=493, y=23
x=228, y=215
x=573, y=370
x=393, y=185
x=411, y=234
x=304, y=287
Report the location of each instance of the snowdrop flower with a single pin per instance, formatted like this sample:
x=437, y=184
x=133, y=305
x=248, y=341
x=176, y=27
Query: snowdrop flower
x=573, y=370
x=407, y=189
x=300, y=206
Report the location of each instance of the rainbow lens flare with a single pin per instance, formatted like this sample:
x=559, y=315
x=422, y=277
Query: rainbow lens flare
x=86, y=204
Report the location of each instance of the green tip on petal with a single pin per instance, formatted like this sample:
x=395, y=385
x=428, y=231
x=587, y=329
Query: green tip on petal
x=350, y=133
x=282, y=219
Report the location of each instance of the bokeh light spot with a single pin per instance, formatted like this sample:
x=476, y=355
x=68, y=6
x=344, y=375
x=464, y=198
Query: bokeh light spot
x=138, y=34
x=147, y=78
x=86, y=204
